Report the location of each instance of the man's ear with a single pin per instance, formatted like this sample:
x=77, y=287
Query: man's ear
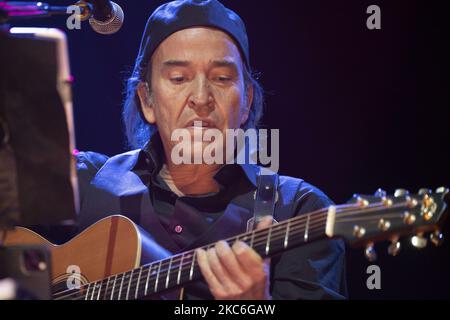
x=249, y=101
x=145, y=98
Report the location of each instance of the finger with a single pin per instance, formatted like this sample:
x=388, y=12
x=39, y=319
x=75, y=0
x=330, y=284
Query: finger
x=265, y=222
x=220, y=272
x=249, y=259
x=232, y=265
x=213, y=283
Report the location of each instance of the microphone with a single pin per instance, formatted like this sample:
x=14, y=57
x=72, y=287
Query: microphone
x=107, y=16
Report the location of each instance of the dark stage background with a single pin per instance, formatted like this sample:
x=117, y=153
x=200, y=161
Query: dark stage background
x=357, y=109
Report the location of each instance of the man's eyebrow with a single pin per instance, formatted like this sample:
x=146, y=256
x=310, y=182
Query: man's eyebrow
x=176, y=63
x=215, y=63
x=225, y=63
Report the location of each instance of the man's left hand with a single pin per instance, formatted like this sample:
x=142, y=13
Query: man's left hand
x=236, y=272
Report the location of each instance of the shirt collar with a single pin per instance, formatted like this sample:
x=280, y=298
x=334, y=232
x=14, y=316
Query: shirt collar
x=151, y=158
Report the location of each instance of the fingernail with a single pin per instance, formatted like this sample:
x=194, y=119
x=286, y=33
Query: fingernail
x=222, y=245
x=265, y=222
x=239, y=246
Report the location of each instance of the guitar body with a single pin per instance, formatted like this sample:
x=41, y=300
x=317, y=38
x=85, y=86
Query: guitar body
x=110, y=246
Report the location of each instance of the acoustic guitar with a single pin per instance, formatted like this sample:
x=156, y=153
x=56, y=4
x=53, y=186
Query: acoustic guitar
x=108, y=260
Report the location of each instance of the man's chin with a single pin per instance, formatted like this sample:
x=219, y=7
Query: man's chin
x=197, y=152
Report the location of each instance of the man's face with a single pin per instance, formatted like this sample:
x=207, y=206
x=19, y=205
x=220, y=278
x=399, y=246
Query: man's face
x=197, y=74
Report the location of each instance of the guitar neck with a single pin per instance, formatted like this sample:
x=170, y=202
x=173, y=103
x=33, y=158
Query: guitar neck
x=178, y=270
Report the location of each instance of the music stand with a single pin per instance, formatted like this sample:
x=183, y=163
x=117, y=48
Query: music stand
x=38, y=185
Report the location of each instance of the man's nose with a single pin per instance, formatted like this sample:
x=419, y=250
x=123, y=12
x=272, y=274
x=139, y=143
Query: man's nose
x=201, y=98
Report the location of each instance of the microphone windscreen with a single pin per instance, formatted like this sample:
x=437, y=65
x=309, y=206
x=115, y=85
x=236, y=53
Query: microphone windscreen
x=112, y=25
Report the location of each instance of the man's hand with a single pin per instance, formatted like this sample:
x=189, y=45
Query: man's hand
x=237, y=272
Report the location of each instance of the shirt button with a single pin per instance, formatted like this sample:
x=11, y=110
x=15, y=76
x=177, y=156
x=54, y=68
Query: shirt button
x=178, y=229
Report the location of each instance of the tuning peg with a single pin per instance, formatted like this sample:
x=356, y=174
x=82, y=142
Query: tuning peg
x=362, y=202
x=419, y=241
x=400, y=193
x=358, y=231
x=409, y=218
x=428, y=207
x=394, y=248
x=441, y=190
x=384, y=225
x=424, y=191
x=370, y=253
x=380, y=193
x=437, y=238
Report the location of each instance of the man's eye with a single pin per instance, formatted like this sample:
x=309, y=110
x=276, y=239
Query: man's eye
x=223, y=78
x=177, y=79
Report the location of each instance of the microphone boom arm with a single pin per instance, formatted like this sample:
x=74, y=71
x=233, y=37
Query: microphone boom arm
x=15, y=10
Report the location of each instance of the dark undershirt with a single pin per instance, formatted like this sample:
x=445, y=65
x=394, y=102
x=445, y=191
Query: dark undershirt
x=209, y=207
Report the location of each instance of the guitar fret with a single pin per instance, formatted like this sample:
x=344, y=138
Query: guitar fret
x=120, y=288
x=252, y=239
x=168, y=272
x=286, y=238
x=129, y=284
x=87, y=292
x=179, y=269
x=148, y=277
x=268, y=241
x=157, y=276
x=138, y=283
x=113, y=288
x=93, y=291
x=191, y=272
x=305, y=237
x=106, y=289
x=99, y=290
x=151, y=271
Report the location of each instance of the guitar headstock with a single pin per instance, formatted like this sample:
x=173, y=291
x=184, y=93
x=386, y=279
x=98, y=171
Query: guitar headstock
x=370, y=219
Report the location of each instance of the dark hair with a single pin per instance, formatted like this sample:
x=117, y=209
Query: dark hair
x=138, y=131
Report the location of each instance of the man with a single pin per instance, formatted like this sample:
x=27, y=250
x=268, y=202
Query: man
x=193, y=72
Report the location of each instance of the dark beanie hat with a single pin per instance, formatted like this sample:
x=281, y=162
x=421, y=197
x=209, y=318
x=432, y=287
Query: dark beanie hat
x=182, y=14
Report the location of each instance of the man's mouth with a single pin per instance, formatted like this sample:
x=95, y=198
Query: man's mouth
x=201, y=124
